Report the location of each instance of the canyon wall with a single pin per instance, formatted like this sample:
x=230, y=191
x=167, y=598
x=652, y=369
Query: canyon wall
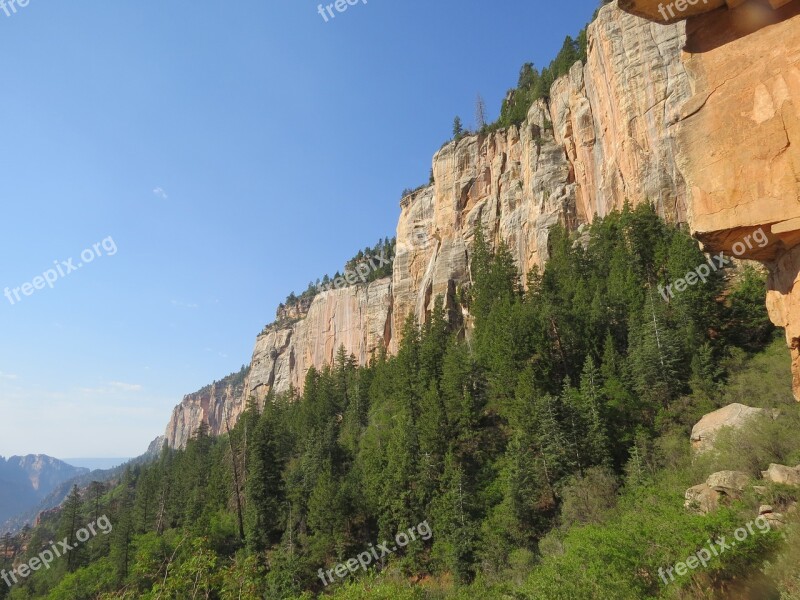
x=739, y=143
x=358, y=318
x=675, y=114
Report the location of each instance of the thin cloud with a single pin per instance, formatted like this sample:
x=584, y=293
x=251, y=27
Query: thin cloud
x=126, y=387
x=180, y=304
x=160, y=193
x=10, y=376
x=112, y=387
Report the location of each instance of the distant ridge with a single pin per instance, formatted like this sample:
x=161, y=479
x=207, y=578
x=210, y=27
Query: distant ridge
x=96, y=463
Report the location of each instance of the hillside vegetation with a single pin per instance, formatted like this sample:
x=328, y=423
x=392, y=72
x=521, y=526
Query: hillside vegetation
x=548, y=453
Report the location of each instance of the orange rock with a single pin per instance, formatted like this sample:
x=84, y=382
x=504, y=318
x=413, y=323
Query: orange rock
x=669, y=11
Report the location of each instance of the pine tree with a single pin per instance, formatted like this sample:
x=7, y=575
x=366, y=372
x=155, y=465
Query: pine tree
x=480, y=113
x=71, y=522
x=454, y=545
x=265, y=489
x=123, y=532
x=458, y=129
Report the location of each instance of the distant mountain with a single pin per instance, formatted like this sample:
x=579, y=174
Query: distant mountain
x=96, y=463
x=57, y=493
x=26, y=480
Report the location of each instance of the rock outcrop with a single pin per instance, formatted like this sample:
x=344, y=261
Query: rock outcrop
x=722, y=487
x=672, y=11
x=782, y=474
x=734, y=416
x=357, y=317
x=699, y=117
x=739, y=143
x=718, y=489
x=210, y=406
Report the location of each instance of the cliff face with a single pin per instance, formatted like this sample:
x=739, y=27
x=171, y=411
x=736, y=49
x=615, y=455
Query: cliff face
x=688, y=116
x=358, y=317
x=516, y=183
x=209, y=405
x=739, y=144
x=607, y=135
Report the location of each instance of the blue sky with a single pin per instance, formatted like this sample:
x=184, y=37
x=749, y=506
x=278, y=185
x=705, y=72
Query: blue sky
x=232, y=152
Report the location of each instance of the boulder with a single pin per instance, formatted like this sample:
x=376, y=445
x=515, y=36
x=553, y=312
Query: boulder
x=782, y=474
x=720, y=486
x=733, y=415
x=775, y=520
x=701, y=499
x=730, y=483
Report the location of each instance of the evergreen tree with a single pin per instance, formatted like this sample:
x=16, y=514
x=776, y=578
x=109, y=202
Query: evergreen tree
x=71, y=521
x=265, y=490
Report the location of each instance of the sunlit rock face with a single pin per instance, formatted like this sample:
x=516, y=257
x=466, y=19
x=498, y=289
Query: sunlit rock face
x=699, y=117
x=606, y=135
x=739, y=144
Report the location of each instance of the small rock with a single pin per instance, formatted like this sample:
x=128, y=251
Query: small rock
x=766, y=508
x=775, y=520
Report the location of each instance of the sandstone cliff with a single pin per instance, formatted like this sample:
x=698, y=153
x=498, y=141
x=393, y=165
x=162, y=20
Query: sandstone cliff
x=689, y=116
x=739, y=143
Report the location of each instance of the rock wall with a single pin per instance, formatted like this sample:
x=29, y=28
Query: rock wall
x=697, y=117
x=607, y=135
x=359, y=318
x=209, y=405
x=739, y=144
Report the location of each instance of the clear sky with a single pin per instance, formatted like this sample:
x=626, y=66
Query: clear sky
x=228, y=153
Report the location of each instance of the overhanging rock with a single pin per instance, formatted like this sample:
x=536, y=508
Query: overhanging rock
x=672, y=11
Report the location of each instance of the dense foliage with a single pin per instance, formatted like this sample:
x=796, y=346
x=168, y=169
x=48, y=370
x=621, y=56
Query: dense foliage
x=548, y=452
